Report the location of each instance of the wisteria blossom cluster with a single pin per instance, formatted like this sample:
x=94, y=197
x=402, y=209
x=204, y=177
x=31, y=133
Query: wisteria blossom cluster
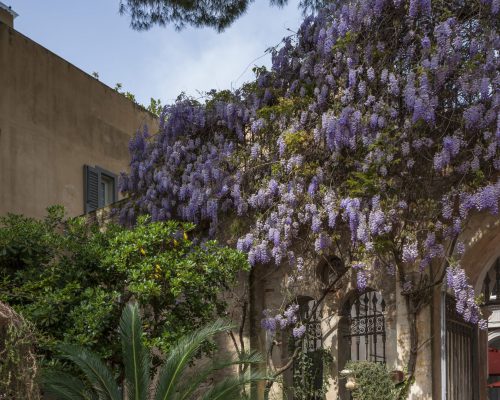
x=377, y=126
x=464, y=294
x=280, y=321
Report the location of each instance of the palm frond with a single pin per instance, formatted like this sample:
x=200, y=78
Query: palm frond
x=203, y=375
x=135, y=355
x=180, y=356
x=231, y=388
x=96, y=372
x=65, y=387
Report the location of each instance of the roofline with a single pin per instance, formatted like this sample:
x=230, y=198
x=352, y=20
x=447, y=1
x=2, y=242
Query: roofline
x=8, y=9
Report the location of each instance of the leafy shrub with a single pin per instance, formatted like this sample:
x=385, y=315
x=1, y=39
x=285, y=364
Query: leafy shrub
x=373, y=381
x=18, y=367
x=71, y=279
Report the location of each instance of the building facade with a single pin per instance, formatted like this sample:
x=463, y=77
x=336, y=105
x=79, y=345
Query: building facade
x=63, y=140
x=63, y=134
x=455, y=360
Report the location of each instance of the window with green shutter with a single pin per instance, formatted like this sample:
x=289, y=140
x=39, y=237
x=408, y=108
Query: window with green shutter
x=100, y=188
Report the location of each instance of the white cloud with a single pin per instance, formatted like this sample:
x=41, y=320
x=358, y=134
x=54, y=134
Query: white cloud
x=159, y=63
x=216, y=66
x=203, y=60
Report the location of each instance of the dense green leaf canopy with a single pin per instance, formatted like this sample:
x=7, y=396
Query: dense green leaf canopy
x=71, y=279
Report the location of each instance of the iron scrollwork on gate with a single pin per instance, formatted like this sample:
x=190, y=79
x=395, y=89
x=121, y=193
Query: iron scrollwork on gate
x=367, y=335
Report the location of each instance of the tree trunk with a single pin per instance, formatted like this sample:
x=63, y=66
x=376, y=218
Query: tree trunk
x=412, y=313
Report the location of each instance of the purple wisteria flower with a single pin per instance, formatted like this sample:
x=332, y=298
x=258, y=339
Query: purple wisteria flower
x=410, y=252
x=370, y=73
x=254, y=152
x=299, y=331
x=465, y=296
x=336, y=98
x=281, y=145
x=269, y=322
x=361, y=280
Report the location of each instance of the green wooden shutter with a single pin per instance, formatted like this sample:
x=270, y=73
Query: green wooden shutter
x=91, y=188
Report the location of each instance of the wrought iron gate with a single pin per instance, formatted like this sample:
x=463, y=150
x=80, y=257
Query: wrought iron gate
x=310, y=375
x=461, y=356
x=367, y=335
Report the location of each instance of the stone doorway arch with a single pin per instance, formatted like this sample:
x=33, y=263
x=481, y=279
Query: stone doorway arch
x=482, y=243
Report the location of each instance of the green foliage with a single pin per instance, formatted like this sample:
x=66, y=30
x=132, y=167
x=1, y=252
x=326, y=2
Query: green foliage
x=296, y=142
x=172, y=380
x=307, y=383
x=71, y=279
x=180, y=282
x=130, y=96
x=362, y=183
x=144, y=14
x=154, y=107
x=343, y=42
x=373, y=381
x=213, y=97
x=18, y=367
x=283, y=106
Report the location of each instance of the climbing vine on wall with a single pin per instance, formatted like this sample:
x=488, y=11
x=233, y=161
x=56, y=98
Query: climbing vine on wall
x=310, y=374
x=374, y=137
x=377, y=129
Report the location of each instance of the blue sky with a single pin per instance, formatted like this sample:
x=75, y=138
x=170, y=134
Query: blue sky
x=159, y=63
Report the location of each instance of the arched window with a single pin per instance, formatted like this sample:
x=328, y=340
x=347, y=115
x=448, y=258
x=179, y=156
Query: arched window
x=366, y=334
x=308, y=369
x=491, y=285
x=330, y=269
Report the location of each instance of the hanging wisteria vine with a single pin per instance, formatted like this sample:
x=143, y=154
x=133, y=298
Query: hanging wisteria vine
x=378, y=124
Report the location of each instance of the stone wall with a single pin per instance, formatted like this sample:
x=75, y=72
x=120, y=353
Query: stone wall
x=268, y=283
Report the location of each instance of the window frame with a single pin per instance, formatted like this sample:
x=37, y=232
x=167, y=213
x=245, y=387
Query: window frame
x=100, y=173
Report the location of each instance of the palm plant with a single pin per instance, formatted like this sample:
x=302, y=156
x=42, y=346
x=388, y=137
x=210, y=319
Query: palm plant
x=169, y=380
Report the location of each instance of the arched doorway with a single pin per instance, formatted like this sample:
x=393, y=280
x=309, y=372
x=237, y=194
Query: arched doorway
x=491, y=294
x=306, y=374
x=362, y=332
x=365, y=317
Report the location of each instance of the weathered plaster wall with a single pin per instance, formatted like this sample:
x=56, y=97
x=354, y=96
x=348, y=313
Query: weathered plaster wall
x=54, y=118
x=482, y=243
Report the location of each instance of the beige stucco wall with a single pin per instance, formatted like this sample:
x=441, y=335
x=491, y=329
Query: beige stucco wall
x=54, y=118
